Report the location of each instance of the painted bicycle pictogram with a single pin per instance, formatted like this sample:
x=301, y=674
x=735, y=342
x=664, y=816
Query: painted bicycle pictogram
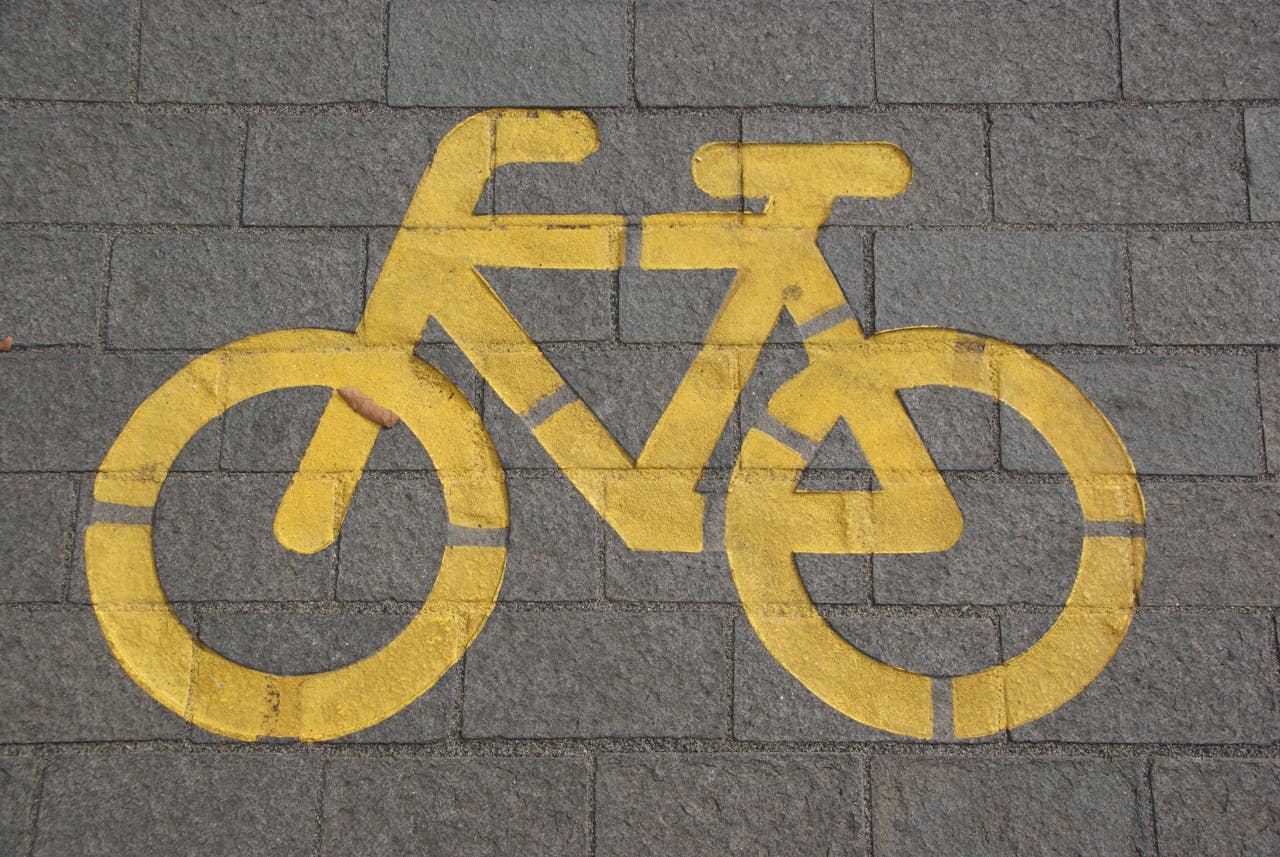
x=651, y=501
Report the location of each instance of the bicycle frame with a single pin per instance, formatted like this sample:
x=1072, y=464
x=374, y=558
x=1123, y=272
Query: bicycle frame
x=651, y=501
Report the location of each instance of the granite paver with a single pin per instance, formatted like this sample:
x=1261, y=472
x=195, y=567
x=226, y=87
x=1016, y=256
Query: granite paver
x=995, y=50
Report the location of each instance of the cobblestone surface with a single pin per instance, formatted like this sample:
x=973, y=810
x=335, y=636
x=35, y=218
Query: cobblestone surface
x=1095, y=181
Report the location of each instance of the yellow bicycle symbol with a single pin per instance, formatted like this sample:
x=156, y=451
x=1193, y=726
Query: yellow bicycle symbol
x=651, y=501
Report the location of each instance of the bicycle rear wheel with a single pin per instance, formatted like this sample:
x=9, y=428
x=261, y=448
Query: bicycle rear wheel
x=761, y=537
x=225, y=697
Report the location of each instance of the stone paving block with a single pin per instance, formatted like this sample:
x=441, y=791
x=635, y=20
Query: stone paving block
x=556, y=53
x=295, y=643
x=995, y=50
x=1187, y=50
x=187, y=291
x=1186, y=414
x=66, y=49
x=948, y=184
x=1262, y=141
x=50, y=287
x=213, y=542
x=557, y=306
x=1181, y=678
x=392, y=538
x=200, y=52
x=1212, y=544
x=1025, y=287
x=60, y=682
x=769, y=704
x=797, y=52
x=1217, y=806
x=1206, y=287
x=666, y=576
x=596, y=675
x=171, y=803
x=1021, y=544
x=679, y=306
x=1117, y=166
x=63, y=411
x=37, y=519
x=462, y=807
x=628, y=389
x=554, y=545
x=116, y=167
x=338, y=170
x=730, y=804
x=1269, y=378
x=17, y=790
x=642, y=167
x=1008, y=806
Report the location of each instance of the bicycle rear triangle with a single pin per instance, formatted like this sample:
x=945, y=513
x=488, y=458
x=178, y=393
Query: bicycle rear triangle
x=432, y=271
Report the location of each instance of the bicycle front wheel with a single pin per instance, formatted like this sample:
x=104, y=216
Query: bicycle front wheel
x=225, y=697
x=764, y=504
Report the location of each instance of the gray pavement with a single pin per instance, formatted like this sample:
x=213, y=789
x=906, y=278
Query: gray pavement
x=1096, y=180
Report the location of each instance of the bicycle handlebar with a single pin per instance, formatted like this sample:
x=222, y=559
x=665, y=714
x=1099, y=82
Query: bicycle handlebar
x=800, y=180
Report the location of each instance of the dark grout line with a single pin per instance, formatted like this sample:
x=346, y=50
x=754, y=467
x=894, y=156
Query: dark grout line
x=33, y=815
x=1119, y=60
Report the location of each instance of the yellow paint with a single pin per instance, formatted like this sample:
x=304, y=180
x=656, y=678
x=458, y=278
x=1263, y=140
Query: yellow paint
x=651, y=501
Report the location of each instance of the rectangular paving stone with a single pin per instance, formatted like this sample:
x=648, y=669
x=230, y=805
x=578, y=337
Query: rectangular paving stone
x=1181, y=678
x=1206, y=288
x=1262, y=142
x=628, y=389
x=464, y=807
x=50, y=287
x=596, y=675
x=17, y=791
x=770, y=704
x=63, y=411
x=1212, y=544
x=1008, y=806
x=172, y=803
x=37, y=520
x=642, y=167
x=66, y=49
x=555, y=53
x=1117, y=166
x=1269, y=378
x=193, y=51
x=338, y=170
x=995, y=50
x=60, y=682
x=1021, y=545
x=1025, y=287
x=948, y=184
x=1185, y=414
x=187, y=291
x=392, y=538
x=297, y=643
x=117, y=167
x=730, y=804
x=798, y=52
x=553, y=551
x=1216, y=806
x=1187, y=50
x=213, y=542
